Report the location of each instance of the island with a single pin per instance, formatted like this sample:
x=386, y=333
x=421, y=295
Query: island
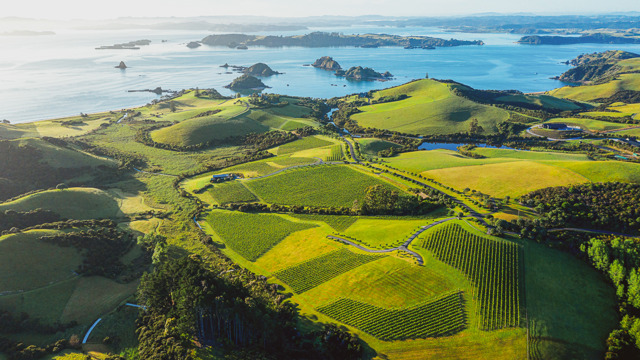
x=327, y=63
x=595, y=38
x=364, y=74
x=324, y=39
x=246, y=82
x=131, y=45
x=121, y=66
x=595, y=68
x=260, y=69
x=193, y=45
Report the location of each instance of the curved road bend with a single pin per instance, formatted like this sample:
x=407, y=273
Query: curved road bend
x=403, y=247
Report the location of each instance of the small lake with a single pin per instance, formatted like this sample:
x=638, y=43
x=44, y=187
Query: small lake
x=454, y=146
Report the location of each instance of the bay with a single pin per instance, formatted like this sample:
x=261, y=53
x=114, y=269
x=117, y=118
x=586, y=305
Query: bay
x=62, y=75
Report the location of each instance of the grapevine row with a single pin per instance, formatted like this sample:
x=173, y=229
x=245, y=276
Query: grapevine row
x=441, y=317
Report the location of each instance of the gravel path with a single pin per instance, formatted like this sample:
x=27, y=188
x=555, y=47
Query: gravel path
x=403, y=247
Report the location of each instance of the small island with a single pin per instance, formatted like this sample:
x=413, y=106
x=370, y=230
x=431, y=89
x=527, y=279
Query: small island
x=327, y=63
x=364, y=74
x=246, y=82
x=193, y=45
x=260, y=69
x=121, y=66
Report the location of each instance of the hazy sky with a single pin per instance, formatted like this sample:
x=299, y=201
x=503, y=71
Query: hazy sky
x=88, y=9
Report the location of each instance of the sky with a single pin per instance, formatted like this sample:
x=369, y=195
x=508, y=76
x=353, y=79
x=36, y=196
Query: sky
x=87, y=9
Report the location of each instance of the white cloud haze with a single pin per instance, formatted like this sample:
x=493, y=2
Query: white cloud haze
x=83, y=9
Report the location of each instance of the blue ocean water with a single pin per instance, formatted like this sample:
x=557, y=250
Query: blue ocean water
x=60, y=75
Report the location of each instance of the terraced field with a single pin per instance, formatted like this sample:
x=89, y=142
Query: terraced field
x=252, y=235
x=493, y=266
x=430, y=109
x=311, y=273
x=441, y=317
x=326, y=185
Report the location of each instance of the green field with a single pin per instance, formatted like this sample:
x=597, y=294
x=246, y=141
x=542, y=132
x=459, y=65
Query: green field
x=306, y=143
x=72, y=203
x=60, y=157
x=327, y=185
x=27, y=263
x=430, y=109
x=382, y=234
x=252, y=235
x=337, y=222
x=372, y=146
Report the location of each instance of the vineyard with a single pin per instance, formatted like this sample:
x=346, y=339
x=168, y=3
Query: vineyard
x=441, y=317
x=336, y=154
x=232, y=191
x=492, y=266
x=252, y=235
x=313, y=272
x=324, y=185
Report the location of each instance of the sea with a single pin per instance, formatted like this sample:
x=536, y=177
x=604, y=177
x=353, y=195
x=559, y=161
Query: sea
x=44, y=77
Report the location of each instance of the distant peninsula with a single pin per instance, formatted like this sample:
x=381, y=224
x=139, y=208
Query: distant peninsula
x=595, y=68
x=596, y=38
x=324, y=39
x=327, y=63
x=364, y=74
x=246, y=82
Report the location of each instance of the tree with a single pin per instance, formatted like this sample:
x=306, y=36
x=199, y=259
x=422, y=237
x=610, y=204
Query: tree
x=197, y=92
x=61, y=186
x=172, y=106
x=475, y=128
x=633, y=290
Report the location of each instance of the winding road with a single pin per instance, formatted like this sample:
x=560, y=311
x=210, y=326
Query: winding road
x=403, y=247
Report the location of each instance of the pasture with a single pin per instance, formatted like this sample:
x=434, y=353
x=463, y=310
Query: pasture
x=371, y=146
x=430, y=109
x=72, y=203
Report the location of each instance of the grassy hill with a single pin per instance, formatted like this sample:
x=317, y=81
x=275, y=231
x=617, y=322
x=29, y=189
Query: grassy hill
x=430, y=109
x=72, y=203
x=626, y=79
x=545, y=101
x=372, y=146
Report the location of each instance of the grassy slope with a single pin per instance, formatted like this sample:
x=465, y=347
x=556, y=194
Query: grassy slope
x=430, y=109
x=592, y=92
x=72, y=203
x=540, y=100
x=378, y=233
x=310, y=142
x=54, y=128
x=570, y=315
x=27, y=263
x=215, y=127
x=318, y=186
